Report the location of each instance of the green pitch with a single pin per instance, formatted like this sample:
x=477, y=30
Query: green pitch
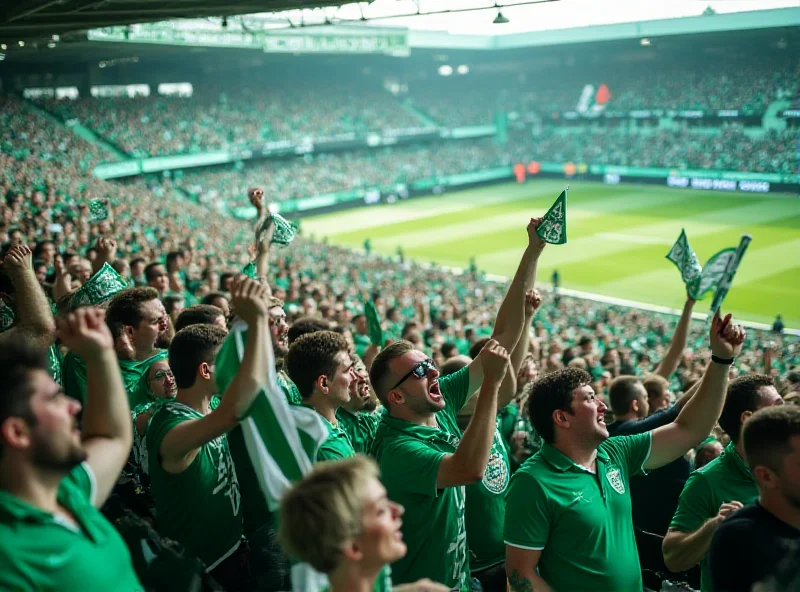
x=618, y=238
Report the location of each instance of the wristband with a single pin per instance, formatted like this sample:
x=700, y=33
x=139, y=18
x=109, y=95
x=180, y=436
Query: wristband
x=724, y=361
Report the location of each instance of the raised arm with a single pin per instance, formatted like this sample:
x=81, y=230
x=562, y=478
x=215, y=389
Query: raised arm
x=701, y=412
x=106, y=431
x=508, y=390
x=468, y=463
x=250, y=299
x=510, y=320
x=672, y=358
x=34, y=318
x=106, y=253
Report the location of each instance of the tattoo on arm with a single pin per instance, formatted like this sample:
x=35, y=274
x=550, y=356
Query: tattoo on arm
x=518, y=583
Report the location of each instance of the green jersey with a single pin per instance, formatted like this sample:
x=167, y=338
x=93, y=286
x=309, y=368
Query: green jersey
x=581, y=521
x=724, y=479
x=198, y=507
x=337, y=446
x=486, y=510
x=289, y=388
x=49, y=553
x=360, y=427
x=434, y=521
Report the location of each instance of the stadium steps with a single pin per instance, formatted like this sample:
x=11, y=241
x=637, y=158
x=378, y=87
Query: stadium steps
x=78, y=129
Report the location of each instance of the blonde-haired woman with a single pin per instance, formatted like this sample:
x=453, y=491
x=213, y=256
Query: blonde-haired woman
x=339, y=520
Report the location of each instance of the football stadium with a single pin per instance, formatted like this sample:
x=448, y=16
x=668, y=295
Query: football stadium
x=399, y=295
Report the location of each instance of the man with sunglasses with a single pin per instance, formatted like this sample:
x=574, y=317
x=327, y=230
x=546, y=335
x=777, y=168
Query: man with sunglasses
x=425, y=459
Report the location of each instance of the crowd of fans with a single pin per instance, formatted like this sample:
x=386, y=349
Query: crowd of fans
x=142, y=379
x=730, y=150
x=233, y=119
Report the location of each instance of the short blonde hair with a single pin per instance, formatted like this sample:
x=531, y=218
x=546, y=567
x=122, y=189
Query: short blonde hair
x=320, y=512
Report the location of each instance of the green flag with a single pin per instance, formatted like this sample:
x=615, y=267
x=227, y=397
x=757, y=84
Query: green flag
x=282, y=440
x=98, y=210
x=727, y=277
x=682, y=255
x=100, y=287
x=373, y=324
x=553, y=228
x=250, y=270
x=284, y=230
x=712, y=273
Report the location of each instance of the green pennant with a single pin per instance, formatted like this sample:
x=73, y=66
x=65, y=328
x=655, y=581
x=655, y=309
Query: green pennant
x=6, y=317
x=712, y=273
x=250, y=270
x=685, y=259
x=726, y=280
x=285, y=231
x=373, y=323
x=553, y=228
x=98, y=210
x=100, y=287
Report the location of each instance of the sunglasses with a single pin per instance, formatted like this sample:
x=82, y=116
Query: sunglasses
x=419, y=370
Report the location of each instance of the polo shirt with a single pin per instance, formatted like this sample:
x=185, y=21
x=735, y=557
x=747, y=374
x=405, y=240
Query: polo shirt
x=360, y=427
x=43, y=552
x=748, y=546
x=724, y=479
x=337, y=446
x=434, y=523
x=580, y=521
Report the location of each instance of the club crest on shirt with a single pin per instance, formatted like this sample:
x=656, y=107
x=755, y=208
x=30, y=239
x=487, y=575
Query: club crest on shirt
x=613, y=476
x=495, y=478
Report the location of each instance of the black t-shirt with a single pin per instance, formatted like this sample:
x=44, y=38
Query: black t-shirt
x=748, y=547
x=654, y=496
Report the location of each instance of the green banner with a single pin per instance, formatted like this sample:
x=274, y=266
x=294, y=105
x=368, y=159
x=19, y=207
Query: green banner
x=177, y=33
x=624, y=171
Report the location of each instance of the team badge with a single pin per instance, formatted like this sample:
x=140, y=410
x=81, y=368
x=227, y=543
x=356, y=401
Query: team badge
x=616, y=480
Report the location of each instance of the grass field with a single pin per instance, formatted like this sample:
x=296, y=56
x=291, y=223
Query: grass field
x=618, y=238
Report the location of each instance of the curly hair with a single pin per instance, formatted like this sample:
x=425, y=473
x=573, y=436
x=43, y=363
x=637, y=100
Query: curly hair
x=553, y=392
x=125, y=307
x=743, y=395
x=311, y=356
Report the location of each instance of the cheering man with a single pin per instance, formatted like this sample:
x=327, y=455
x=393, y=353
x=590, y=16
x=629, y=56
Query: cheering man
x=568, y=513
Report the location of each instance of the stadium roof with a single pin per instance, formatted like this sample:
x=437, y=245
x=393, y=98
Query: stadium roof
x=25, y=19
